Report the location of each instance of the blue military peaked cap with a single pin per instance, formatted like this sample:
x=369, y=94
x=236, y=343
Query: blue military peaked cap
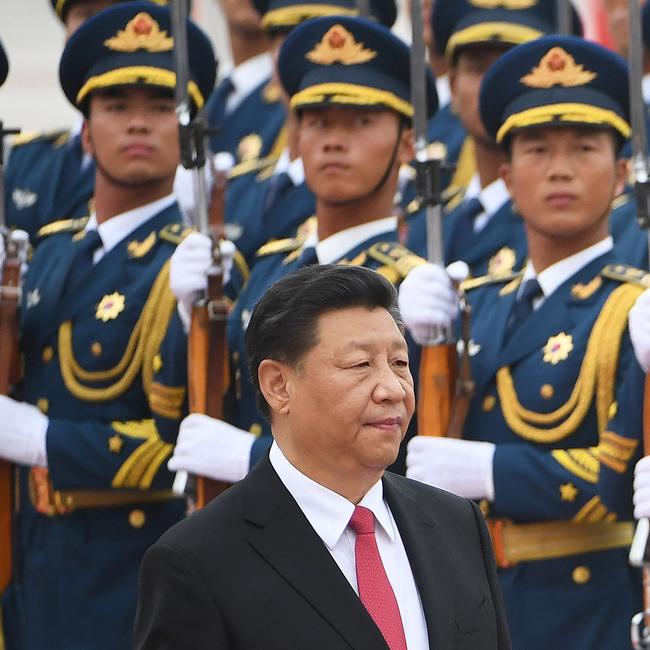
x=130, y=44
x=61, y=6
x=286, y=14
x=347, y=61
x=460, y=23
x=4, y=65
x=556, y=80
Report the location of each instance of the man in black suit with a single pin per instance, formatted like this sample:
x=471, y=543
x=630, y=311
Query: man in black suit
x=281, y=559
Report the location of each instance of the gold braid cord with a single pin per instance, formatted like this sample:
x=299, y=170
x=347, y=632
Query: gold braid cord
x=143, y=345
x=597, y=375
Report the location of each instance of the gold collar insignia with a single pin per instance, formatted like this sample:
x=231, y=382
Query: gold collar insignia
x=339, y=46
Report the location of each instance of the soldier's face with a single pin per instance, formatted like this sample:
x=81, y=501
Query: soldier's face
x=81, y=11
x=346, y=151
x=465, y=82
x=563, y=181
x=346, y=405
x=242, y=17
x=132, y=134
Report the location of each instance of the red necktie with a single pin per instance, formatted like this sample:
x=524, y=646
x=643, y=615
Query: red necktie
x=375, y=591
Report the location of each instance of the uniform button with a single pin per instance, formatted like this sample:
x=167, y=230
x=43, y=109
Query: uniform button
x=48, y=353
x=137, y=518
x=581, y=575
x=157, y=363
x=489, y=403
x=43, y=405
x=96, y=349
x=547, y=391
x=256, y=429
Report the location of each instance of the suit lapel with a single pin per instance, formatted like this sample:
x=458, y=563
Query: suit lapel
x=282, y=535
x=417, y=529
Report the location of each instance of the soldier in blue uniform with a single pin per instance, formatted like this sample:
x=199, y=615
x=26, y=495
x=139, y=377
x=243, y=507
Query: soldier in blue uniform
x=104, y=385
x=245, y=106
x=346, y=80
x=267, y=198
x=48, y=175
x=481, y=226
x=553, y=404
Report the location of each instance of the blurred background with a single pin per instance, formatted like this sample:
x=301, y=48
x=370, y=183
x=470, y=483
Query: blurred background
x=33, y=37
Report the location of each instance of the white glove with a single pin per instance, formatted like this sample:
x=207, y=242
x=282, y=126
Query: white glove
x=639, y=324
x=463, y=467
x=212, y=448
x=427, y=298
x=22, y=433
x=189, y=268
x=21, y=239
x=642, y=488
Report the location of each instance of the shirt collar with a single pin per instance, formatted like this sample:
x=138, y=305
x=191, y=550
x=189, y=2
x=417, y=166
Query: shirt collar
x=117, y=228
x=493, y=196
x=328, y=512
x=338, y=245
x=557, y=274
x=247, y=76
x=293, y=168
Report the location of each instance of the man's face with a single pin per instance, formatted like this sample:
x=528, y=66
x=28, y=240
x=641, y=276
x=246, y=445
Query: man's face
x=241, y=15
x=564, y=179
x=465, y=82
x=132, y=134
x=81, y=11
x=346, y=151
x=351, y=395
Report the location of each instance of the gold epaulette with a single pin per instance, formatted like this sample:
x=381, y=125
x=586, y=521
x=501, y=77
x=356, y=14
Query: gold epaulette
x=254, y=165
x=271, y=92
x=474, y=283
x=279, y=246
x=63, y=225
x=175, y=233
x=398, y=261
x=625, y=273
x=58, y=137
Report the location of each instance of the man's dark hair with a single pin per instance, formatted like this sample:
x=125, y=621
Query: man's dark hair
x=284, y=324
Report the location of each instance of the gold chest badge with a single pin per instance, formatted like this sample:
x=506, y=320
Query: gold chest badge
x=557, y=348
x=110, y=307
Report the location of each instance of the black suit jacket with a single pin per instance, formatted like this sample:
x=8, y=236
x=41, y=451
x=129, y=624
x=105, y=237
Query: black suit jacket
x=249, y=572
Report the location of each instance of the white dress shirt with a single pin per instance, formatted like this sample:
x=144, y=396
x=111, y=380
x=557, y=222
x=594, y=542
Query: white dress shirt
x=329, y=514
x=294, y=168
x=557, y=274
x=117, y=228
x=246, y=77
x=338, y=245
x=492, y=198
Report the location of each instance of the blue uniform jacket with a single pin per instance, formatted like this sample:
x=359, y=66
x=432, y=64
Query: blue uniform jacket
x=106, y=361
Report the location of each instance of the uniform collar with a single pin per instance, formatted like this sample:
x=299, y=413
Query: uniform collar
x=293, y=168
x=336, y=246
x=122, y=225
x=247, y=76
x=557, y=274
x=328, y=512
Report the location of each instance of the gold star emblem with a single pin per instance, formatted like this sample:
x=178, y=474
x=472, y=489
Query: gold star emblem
x=502, y=262
x=557, y=348
x=568, y=492
x=338, y=45
x=110, y=307
x=115, y=444
x=249, y=147
x=141, y=33
x=558, y=68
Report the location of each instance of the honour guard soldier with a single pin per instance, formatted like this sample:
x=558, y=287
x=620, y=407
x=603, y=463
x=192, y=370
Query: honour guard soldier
x=346, y=80
x=481, y=227
x=268, y=199
x=245, y=107
x=104, y=352
x=549, y=353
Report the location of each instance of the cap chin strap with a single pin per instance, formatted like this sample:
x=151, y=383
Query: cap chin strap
x=385, y=175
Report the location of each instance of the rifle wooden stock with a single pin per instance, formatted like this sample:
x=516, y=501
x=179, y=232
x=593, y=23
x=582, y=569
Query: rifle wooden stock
x=8, y=374
x=208, y=346
x=436, y=389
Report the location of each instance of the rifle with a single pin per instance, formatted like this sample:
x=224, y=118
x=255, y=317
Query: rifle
x=438, y=361
x=9, y=368
x=207, y=338
x=640, y=551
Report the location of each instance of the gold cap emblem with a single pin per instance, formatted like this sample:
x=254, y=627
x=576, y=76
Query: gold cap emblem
x=505, y=4
x=558, y=68
x=339, y=46
x=141, y=33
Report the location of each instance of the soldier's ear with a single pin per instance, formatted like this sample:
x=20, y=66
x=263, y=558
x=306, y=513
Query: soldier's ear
x=407, y=146
x=273, y=377
x=505, y=172
x=622, y=175
x=86, y=139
